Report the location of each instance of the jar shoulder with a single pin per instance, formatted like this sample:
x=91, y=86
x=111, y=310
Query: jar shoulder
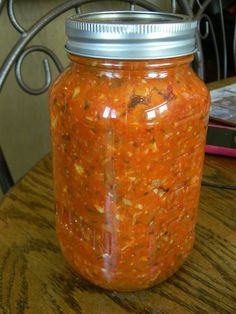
x=60, y=83
x=142, y=95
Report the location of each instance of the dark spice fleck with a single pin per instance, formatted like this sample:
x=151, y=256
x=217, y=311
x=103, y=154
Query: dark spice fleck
x=137, y=100
x=86, y=104
x=66, y=137
x=93, y=130
x=64, y=107
x=163, y=131
x=98, y=116
x=168, y=94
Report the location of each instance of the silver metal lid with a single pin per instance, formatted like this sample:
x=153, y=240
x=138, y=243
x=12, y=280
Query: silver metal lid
x=129, y=35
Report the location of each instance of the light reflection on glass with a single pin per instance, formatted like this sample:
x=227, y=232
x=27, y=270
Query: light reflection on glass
x=157, y=74
x=163, y=108
x=110, y=74
x=152, y=113
x=113, y=114
x=109, y=113
x=113, y=65
x=163, y=74
x=106, y=112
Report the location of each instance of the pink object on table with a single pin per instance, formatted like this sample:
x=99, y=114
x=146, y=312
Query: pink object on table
x=219, y=150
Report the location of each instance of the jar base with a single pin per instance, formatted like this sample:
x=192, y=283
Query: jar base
x=115, y=286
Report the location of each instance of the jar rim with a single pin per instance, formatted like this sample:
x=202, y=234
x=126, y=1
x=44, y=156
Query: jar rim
x=126, y=35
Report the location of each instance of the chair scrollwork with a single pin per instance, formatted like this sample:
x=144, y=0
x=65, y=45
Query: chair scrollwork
x=48, y=76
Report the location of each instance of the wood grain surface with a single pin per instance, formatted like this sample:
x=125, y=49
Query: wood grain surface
x=35, y=278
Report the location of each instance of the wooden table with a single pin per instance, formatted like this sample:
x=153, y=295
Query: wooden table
x=35, y=278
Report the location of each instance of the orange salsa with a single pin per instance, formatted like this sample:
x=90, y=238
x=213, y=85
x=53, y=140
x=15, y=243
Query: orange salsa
x=128, y=147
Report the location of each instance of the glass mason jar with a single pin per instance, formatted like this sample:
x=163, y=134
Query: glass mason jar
x=128, y=124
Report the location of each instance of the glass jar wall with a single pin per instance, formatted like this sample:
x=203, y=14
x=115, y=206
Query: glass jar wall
x=128, y=146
